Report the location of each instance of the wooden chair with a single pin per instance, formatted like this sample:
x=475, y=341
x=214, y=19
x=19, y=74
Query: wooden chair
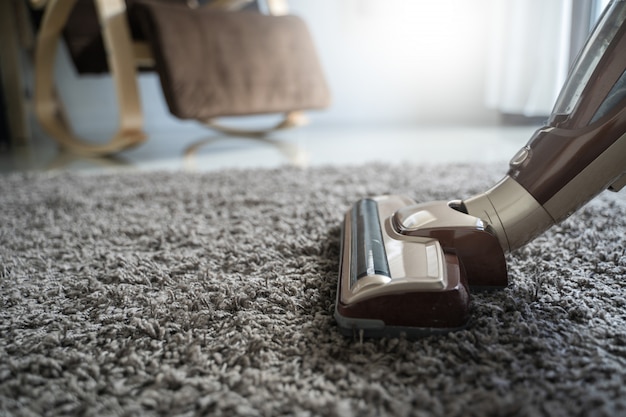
x=125, y=55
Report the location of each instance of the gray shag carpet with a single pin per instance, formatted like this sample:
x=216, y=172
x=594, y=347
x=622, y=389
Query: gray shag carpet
x=172, y=293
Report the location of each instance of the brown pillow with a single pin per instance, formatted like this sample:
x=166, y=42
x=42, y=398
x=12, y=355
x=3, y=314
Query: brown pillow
x=216, y=63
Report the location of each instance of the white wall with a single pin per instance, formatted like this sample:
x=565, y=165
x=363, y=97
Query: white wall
x=386, y=61
x=402, y=61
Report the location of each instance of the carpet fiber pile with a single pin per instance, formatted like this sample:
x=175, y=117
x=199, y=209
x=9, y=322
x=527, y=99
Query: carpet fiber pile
x=164, y=293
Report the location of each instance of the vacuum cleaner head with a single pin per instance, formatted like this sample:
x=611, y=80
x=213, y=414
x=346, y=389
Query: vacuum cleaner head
x=404, y=267
x=407, y=268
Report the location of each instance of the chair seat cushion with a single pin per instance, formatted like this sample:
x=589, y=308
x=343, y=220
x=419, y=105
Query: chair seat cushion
x=217, y=63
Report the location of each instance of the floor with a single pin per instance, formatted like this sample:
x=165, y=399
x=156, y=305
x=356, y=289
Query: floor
x=193, y=149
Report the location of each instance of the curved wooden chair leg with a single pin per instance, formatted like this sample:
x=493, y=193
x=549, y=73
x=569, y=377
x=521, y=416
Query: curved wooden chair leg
x=291, y=119
x=296, y=155
x=121, y=64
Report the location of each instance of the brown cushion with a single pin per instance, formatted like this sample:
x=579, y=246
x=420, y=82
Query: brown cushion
x=214, y=63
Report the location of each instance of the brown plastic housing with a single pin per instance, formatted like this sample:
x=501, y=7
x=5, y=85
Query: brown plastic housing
x=584, y=130
x=441, y=309
x=556, y=156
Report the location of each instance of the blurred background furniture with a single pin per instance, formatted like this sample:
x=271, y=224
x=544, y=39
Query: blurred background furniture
x=214, y=58
x=16, y=45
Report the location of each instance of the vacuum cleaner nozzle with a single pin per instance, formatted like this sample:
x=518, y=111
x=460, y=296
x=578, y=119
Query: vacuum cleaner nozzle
x=404, y=266
x=408, y=268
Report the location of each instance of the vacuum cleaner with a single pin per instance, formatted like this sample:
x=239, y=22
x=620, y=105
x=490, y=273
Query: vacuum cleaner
x=407, y=268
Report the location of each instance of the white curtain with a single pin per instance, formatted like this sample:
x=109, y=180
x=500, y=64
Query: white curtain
x=529, y=55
